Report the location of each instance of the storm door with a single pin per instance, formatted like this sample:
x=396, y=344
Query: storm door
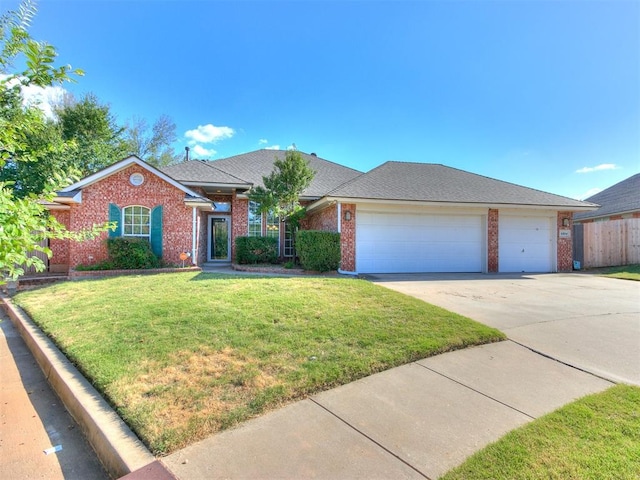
x=219, y=239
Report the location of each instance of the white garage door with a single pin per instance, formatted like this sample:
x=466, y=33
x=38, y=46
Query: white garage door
x=525, y=244
x=406, y=243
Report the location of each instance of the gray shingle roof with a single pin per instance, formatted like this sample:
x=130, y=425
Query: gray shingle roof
x=438, y=183
x=251, y=167
x=200, y=171
x=622, y=197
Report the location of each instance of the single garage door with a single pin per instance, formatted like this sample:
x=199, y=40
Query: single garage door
x=525, y=244
x=411, y=243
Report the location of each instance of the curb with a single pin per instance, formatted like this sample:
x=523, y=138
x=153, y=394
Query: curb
x=117, y=447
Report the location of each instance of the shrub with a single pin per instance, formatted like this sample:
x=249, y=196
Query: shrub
x=318, y=250
x=130, y=253
x=256, y=250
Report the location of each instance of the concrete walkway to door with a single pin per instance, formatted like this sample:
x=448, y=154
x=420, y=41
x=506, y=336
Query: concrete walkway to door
x=586, y=321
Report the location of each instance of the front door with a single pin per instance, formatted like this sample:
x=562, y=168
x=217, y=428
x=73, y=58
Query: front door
x=219, y=239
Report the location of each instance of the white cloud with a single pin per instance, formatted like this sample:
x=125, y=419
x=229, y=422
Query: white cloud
x=602, y=166
x=44, y=98
x=208, y=134
x=201, y=152
x=292, y=147
x=263, y=141
x=589, y=193
x=273, y=147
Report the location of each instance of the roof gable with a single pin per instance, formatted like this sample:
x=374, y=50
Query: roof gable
x=121, y=165
x=622, y=197
x=429, y=182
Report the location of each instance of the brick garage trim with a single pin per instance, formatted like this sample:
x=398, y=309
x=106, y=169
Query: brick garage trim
x=348, y=237
x=493, y=229
x=564, y=245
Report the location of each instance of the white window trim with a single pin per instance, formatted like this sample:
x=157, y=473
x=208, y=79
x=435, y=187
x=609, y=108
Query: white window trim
x=148, y=236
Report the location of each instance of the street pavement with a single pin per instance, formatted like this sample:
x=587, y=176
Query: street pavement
x=33, y=419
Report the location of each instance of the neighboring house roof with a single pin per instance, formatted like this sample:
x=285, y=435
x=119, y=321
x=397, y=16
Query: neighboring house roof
x=250, y=167
x=74, y=191
x=427, y=182
x=623, y=197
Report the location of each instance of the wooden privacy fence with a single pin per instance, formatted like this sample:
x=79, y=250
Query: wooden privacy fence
x=41, y=255
x=611, y=243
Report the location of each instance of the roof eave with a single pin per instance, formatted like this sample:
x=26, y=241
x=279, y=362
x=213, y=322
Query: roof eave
x=54, y=205
x=69, y=200
x=194, y=183
x=606, y=215
x=566, y=208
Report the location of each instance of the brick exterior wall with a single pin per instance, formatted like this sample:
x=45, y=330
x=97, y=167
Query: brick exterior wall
x=325, y=220
x=493, y=247
x=116, y=188
x=565, y=245
x=239, y=222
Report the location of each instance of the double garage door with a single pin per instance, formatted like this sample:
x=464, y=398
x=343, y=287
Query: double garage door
x=410, y=243
x=402, y=242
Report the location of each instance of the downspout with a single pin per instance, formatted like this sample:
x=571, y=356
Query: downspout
x=194, y=236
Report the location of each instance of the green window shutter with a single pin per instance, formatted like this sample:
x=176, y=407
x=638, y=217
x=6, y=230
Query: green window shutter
x=156, y=230
x=115, y=216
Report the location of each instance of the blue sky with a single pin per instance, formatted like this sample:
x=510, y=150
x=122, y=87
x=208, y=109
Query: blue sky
x=544, y=94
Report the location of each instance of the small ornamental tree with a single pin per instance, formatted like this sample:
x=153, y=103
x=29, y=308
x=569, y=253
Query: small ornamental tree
x=282, y=188
x=25, y=222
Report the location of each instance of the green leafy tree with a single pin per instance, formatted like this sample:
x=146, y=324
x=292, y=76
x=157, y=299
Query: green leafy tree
x=152, y=145
x=25, y=222
x=97, y=139
x=282, y=189
x=44, y=152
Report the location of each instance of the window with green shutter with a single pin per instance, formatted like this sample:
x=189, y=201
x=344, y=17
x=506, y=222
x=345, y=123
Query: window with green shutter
x=156, y=231
x=115, y=216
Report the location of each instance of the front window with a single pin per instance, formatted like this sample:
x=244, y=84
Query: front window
x=255, y=220
x=136, y=222
x=273, y=227
x=288, y=240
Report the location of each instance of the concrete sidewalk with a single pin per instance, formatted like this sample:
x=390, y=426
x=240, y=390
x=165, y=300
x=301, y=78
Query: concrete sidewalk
x=415, y=421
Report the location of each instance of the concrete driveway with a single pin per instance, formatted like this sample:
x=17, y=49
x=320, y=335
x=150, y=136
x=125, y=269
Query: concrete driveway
x=586, y=321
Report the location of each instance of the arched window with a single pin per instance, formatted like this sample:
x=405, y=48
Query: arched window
x=136, y=221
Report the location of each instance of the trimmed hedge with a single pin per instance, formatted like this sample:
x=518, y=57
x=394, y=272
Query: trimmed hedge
x=127, y=253
x=319, y=251
x=251, y=250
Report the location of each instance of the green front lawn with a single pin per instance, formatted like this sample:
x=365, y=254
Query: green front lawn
x=594, y=438
x=627, y=272
x=184, y=355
